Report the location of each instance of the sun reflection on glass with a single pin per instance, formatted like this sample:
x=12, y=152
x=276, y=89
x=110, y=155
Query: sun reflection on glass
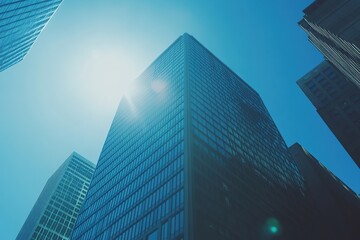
x=158, y=86
x=131, y=92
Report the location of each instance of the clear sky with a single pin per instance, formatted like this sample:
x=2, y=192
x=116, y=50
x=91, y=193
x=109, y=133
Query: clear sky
x=63, y=96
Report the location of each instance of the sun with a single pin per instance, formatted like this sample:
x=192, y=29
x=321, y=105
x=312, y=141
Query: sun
x=104, y=75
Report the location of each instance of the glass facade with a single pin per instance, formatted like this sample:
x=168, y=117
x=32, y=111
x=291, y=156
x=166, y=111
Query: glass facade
x=138, y=186
x=195, y=155
x=240, y=169
x=54, y=213
x=20, y=24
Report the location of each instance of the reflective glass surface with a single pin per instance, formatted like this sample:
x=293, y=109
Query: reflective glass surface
x=138, y=185
x=192, y=153
x=241, y=171
x=54, y=213
x=20, y=24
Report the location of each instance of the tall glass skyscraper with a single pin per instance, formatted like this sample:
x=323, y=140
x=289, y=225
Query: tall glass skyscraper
x=54, y=213
x=20, y=24
x=194, y=155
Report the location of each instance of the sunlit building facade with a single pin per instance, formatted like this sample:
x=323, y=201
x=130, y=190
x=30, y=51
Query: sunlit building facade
x=55, y=211
x=333, y=26
x=338, y=204
x=20, y=24
x=337, y=101
x=193, y=154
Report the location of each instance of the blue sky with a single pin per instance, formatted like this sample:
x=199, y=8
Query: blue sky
x=63, y=96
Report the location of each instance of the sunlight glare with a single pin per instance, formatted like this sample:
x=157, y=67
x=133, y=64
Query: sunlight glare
x=158, y=86
x=132, y=91
x=105, y=73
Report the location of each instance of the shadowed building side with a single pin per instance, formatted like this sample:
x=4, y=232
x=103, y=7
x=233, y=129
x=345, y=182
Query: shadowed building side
x=338, y=204
x=337, y=101
x=194, y=155
x=333, y=26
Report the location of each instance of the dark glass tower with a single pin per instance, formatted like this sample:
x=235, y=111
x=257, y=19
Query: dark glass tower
x=20, y=24
x=338, y=204
x=54, y=213
x=337, y=101
x=195, y=155
x=333, y=27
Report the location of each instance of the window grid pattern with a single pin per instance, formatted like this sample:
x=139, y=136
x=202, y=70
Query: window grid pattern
x=242, y=171
x=337, y=100
x=60, y=215
x=324, y=84
x=20, y=24
x=56, y=210
x=232, y=120
x=137, y=189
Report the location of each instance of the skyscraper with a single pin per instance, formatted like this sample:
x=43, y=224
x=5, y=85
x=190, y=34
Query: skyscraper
x=193, y=154
x=338, y=204
x=20, y=24
x=337, y=101
x=333, y=27
x=54, y=213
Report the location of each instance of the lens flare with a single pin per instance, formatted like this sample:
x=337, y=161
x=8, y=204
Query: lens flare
x=272, y=226
x=274, y=229
x=131, y=92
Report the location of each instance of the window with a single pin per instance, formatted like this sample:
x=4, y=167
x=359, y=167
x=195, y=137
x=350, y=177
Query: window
x=153, y=236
